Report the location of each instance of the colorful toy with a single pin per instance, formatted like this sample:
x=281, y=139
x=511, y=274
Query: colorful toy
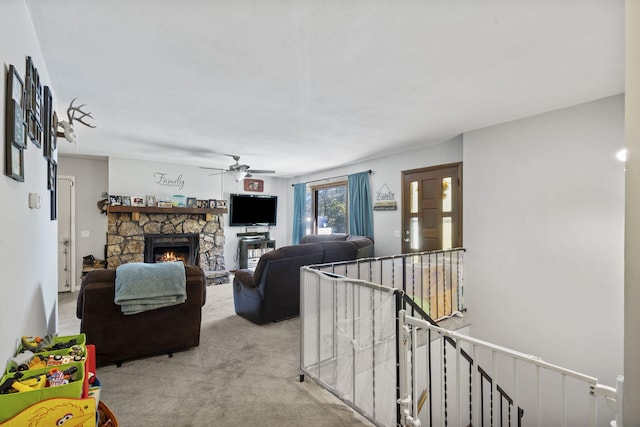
x=17, y=384
x=21, y=361
x=59, y=359
x=36, y=344
x=56, y=377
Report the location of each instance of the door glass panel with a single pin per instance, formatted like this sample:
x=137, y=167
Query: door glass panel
x=446, y=194
x=446, y=233
x=414, y=237
x=413, y=196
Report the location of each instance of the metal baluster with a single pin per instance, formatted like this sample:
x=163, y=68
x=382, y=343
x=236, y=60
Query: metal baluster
x=444, y=367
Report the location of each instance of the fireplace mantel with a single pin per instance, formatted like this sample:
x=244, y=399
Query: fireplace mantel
x=137, y=210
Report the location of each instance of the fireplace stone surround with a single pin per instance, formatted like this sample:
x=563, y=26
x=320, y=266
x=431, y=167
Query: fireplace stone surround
x=126, y=238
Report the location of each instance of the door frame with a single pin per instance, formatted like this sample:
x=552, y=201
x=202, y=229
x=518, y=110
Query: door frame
x=72, y=231
x=404, y=195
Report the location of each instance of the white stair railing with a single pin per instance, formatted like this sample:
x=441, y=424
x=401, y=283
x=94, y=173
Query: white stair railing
x=555, y=399
x=394, y=369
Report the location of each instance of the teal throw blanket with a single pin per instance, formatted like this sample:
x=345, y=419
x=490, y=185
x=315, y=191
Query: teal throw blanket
x=144, y=286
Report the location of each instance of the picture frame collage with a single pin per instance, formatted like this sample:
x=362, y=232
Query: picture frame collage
x=30, y=116
x=150, y=200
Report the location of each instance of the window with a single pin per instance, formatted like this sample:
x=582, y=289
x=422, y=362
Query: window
x=327, y=209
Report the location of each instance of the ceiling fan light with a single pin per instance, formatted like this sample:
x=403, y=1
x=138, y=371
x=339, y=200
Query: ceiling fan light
x=238, y=175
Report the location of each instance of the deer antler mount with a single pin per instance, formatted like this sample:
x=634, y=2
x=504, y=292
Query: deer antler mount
x=74, y=114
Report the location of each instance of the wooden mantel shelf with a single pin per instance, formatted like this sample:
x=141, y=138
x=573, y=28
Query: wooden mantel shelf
x=137, y=210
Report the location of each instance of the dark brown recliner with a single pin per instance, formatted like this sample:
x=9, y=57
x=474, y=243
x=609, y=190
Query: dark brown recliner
x=272, y=292
x=119, y=337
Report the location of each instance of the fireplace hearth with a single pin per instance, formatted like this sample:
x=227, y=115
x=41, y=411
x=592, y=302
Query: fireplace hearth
x=173, y=247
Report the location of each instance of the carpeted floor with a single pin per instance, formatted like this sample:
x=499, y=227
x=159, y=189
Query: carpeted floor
x=241, y=375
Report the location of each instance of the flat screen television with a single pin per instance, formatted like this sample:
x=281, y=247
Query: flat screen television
x=248, y=209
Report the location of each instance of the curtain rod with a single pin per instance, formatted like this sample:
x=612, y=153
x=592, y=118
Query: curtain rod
x=334, y=177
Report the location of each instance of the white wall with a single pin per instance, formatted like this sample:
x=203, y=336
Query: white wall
x=135, y=177
x=544, y=226
x=387, y=170
x=91, y=179
x=28, y=248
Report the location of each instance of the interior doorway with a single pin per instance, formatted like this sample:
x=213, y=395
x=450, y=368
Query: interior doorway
x=432, y=208
x=66, y=234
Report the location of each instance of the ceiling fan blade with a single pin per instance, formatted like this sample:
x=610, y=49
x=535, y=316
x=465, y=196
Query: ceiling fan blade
x=260, y=171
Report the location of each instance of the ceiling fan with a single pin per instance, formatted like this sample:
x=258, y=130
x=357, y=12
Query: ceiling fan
x=240, y=171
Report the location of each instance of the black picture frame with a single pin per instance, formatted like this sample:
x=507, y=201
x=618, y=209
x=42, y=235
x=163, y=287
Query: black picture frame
x=48, y=132
x=191, y=202
x=51, y=174
x=54, y=130
x=33, y=103
x=54, y=192
x=14, y=107
x=14, y=162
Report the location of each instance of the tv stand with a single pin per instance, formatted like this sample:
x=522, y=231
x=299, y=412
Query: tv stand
x=252, y=246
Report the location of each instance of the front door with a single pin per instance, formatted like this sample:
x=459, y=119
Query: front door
x=431, y=204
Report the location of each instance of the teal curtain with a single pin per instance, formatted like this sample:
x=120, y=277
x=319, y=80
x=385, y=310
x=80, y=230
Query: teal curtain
x=299, y=211
x=360, y=206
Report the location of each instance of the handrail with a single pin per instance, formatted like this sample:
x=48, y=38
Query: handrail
x=463, y=353
x=610, y=395
x=508, y=352
x=346, y=308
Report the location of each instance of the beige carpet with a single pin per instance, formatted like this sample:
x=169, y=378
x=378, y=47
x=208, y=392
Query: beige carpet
x=241, y=375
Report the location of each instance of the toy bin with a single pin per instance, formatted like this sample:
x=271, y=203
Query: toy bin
x=79, y=339
x=12, y=404
x=76, y=412
x=106, y=418
x=60, y=357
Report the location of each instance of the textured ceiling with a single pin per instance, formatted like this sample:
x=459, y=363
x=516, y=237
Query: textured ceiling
x=300, y=85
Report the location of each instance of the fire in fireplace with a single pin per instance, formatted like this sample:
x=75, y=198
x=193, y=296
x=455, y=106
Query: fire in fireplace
x=171, y=247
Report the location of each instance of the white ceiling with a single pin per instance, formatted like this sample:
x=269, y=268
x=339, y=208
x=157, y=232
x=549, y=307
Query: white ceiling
x=304, y=85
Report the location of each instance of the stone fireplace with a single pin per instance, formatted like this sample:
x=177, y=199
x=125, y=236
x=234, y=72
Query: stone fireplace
x=139, y=237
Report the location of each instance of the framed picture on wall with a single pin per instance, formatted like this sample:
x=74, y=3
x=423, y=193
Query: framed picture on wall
x=51, y=174
x=15, y=124
x=48, y=132
x=150, y=200
x=14, y=162
x=191, y=202
x=254, y=185
x=33, y=103
x=54, y=194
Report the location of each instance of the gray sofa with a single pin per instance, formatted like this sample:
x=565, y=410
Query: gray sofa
x=341, y=247
x=272, y=291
